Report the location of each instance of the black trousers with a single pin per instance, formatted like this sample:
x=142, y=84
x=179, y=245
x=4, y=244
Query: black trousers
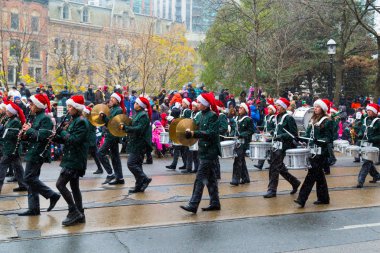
x=315, y=175
x=178, y=151
x=240, y=170
x=74, y=199
x=277, y=168
x=112, y=148
x=35, y=186
x=205, y=176
x=15, y=163
x=367, y=167
x=135, y=162
x=94, y=153
x=195, y=160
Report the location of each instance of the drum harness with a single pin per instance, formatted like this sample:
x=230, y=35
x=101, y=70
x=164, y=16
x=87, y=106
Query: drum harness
x=277, y=144
x=365, y=136
x=315, y=150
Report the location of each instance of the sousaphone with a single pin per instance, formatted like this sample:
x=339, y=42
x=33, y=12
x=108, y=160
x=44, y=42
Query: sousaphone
x=114, y=125
x=181, y=132
x=95, y=118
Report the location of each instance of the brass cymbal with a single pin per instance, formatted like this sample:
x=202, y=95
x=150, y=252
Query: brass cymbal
x=95, y=118
x=114, y=125
x=172, y=130
x=181, y=129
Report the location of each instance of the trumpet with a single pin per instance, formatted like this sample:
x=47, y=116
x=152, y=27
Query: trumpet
x=20, y=135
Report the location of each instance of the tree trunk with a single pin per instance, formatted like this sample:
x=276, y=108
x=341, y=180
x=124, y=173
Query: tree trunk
x=310, y=82
x=339, y=76
x=377, y=85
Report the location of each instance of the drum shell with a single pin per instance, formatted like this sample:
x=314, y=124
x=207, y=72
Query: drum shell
x=227, y=149
x=353, y=151
x=297, y=159
x=370, y=154
x=302, y=117
x=342, y=147
x=336, y=144
x=164, y=138
x=259, y=150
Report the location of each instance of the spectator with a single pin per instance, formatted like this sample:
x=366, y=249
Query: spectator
x=50, y=93
x=161, y=96
x=243, y=97
x=13, y=92
x=25, y=92
x=132, y=100
x=127, y=104
x=255, y=115
x=191, y=92
x=107, y=94
x=155, y=114
x=89, y=95
x=64, y=94
x=117, y=88
x=99, y=96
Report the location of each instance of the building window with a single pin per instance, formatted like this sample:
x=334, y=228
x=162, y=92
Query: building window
x=72, y=48
x=15, y=48
x=78, y=49
x=35, y=50
x=65, y=12
x=85, y=15
x=56, y=45
x=38, y=75
x=11, y=74
x=14, y=21
x=63, y=47
x=31, y=72
x=35, y=24
x=106, y=52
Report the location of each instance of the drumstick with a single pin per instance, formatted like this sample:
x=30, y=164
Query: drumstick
x=301, y=137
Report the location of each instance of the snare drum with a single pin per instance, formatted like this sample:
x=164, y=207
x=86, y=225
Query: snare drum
x=194, y=147
x=164, y=138
x=297, y=159
x=227, y=149
x=302, y=116
x=353, y=151
x=370, y=154
x=259, y=150
x=336, y=144
x=342, y=147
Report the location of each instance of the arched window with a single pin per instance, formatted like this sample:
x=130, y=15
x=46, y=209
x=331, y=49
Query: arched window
x=65, y=12
x=72, y=48
x=85, y=15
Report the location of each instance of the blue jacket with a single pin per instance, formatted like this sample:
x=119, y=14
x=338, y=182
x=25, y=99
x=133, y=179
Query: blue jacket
x=255, y=114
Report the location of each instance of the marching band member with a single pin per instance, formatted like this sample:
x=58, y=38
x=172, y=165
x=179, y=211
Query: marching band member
x=320, y=132
x=195, y=115
x=11, y=156
x=93, y=149
x=223, y=130
x=283, y=141
x=370, y=132
x=209, y=150
x=37, y=135
x=111, y=143
x=244, y=130
x=268, y=127
x=74, y=159
x=139, y=142
x=187, y=154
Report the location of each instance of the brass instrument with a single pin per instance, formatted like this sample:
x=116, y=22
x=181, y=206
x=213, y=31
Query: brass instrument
x=114, y=125
x=20, y=135
x=177, y=131
x=95, y=118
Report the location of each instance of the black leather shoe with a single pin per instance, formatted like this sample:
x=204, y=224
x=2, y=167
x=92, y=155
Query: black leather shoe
x=20, y=189
x=356, y=161
x=318, y=202
x=145, y=184
x=373, y=181
x=295, y=188
x=72, y=218
x=109, y=179
x=83, y=219
x=170, y=167
x=187, y=171
x=189, y=208
x=194, y=171
x=245, y=181
x=234, y=183
x=149, y=162
x=258, y=167
x=211, y=208
x=327, y=173
x=266, y=168
x=30, y=213
x=359, y=185
x=117, y=181
x=134, y=190
x=269, y=195
x=9, y=174
x=53, y=200
x=299, y=202
x=98, y=172
x=182, y=168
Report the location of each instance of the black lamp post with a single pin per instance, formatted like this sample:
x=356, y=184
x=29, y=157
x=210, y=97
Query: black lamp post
x=331, y=50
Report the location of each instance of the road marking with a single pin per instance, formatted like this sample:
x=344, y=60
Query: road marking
x=369, y=225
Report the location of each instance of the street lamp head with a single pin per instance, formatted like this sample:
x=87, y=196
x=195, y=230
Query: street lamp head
x=331, y=47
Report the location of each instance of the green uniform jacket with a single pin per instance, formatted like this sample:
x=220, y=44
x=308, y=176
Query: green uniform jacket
x=290, y=125
x=37, y=137
x=269, y=123
x=13, y=125
x=75, y=140
x=208, y=135
x=373, y=133
x=246, y=129
x=139, y=134
x=115, y=110
x=223, y=124
x=186, y=113
x=324, y=132
x=91, y=134
x=232, y=122
x=196, y=116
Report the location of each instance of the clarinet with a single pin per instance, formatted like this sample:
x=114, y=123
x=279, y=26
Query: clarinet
x=20, y=134
x=51, y=137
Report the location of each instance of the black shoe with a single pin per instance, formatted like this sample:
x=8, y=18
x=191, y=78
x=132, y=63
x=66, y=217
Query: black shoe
x=30, y=213
x=145, y=184
x=189, y=208
x=356, y=161
x=269, y=195
x=149, y=162
x=245, y=181
x=300, y=203
x=359, y=185
x=194, y=171
x=9, y=174
x=258, y=167
x=109, y=179
x=211, y=208
x=20, y=189
x=83, y=219
x=187, y=171
x=182, y=168
x=170, y=167
x=12, y=180
x=266, y=168
x=295, y=188
x=98, y=172
x=318, y=202
x=72, y=218
x=327, y=172
x=134, y=190
x=117, y=181
x=234, y=183
x=374, y=180
x=53, y=200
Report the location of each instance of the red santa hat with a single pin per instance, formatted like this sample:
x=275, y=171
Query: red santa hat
x=208, y=100
x=220, y=105
x=373, y=107
x=325, y=104
x=188, y=102
x=246, y=108
x=283, y=102
x=120, y=99
x=87, y=110
x=16, y=110
x=194, y=104
x=77, y=102
x=41, y=101
x=144, y=103
x=272, y=107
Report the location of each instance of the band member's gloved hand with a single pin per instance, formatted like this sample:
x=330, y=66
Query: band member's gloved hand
x=102, y=115
x=188, y=134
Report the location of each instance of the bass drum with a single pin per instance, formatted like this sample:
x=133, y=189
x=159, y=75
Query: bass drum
x=302, y=116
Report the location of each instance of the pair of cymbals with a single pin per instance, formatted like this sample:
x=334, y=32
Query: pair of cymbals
x=114, y=125
x=95, y=118
x=177, y=131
